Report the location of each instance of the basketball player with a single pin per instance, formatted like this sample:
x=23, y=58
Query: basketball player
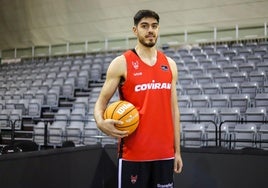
x=146, y=78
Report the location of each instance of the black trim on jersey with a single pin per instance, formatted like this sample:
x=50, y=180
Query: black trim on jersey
x=134, y=51
x=120, y=154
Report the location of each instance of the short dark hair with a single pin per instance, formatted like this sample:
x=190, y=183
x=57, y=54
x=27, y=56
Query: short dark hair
x=145, y=14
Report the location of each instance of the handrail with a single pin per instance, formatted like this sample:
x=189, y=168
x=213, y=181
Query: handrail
x=218, y=129
x=239, y=121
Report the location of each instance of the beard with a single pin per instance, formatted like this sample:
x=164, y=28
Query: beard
x=147, y=42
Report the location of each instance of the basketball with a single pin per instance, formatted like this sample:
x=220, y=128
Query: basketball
x=125, y=112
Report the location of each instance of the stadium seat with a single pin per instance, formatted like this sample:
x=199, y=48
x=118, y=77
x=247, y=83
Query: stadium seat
x=208, y=116
x=193, y=135
x=34, y=108
x=241, y=101
x=211, y=88
x=230, y=88
x=184, y=101
x=186, y=79
x=261, y=100
x=263, y=137
x=208, y=48
x=15, y=117
x=4, y=119
x=247, y=67
x=57, y=133
x=221, y=77
x=257, y=76
x=204, y=78
x=191, y=63
x=238, y=60
x=239, y=77
x=200, y=101
x=214, y=69
x=205, y=62
x=229, y=117
x=250, y=88
x=91, y=135
x=196, y=70
x=188, y=115
x=214, y=55
x=244, y=52
x=219, y=100
x=230, y=68
x=39, y=133
x=244, y=136
x=257, y=114
x=193, y=89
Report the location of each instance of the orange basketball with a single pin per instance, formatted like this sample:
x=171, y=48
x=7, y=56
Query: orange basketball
x=125, y=112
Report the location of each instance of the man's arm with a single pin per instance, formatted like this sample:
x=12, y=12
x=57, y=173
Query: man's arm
x=115, y=72
x=176, y=117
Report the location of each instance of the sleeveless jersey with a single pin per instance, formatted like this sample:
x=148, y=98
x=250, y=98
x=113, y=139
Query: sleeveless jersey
x=149, y=89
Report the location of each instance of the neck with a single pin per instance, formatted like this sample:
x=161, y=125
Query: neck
x=148, y=55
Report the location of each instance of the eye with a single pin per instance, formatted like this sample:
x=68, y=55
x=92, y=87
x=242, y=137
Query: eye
x=155, y=26
x=144, y=26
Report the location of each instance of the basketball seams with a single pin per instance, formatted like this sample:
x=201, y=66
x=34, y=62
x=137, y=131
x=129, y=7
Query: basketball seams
x=133, y=108
x=124, y=111
x=115, y=109
x=128, y=125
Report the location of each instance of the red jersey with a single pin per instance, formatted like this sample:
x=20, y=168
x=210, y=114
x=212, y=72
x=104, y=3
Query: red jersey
x=149, y=89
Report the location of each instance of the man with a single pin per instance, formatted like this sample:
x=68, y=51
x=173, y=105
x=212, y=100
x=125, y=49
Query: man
x=146, y=78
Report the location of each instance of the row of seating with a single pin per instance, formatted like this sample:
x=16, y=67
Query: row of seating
x=220, y=115
x=252, y=48
x=241, y=136
x=81, y=132
x=192, y=135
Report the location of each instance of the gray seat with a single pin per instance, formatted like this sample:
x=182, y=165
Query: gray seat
x=239, y=77
x=186, y=79
x=257, y=76
x=263, y=137
x=247, y=67
x=208, y=116
x=261, y=100
x=57, y=133
x=188, y=115
x=220, y=100
x=244, y=136
x=230, y=88
x=211, y=88
x=193, y=89
x=221, y=77
x=91, y=134
x=250, y=88
x=184, y=101
x=200, y=101
x=204, y=78
x=193, y=135
x=4, y=119
x=241, y=101
x=229, y=117
x=257, y=114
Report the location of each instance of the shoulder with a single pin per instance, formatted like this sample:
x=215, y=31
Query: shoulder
x=172, y=63
x=173, y=67
x=117, y=66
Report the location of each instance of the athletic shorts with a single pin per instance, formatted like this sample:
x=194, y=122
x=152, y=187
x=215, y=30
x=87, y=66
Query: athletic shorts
x=151, y=174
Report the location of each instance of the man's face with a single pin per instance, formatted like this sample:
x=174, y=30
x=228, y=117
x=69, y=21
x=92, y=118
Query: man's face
x=147, y=31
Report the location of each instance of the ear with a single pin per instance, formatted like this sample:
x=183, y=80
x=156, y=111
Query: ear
x=134, y=29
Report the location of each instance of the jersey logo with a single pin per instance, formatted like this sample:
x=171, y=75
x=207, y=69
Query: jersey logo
x=135, y=64
x=133, y=179
x=164, y=67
